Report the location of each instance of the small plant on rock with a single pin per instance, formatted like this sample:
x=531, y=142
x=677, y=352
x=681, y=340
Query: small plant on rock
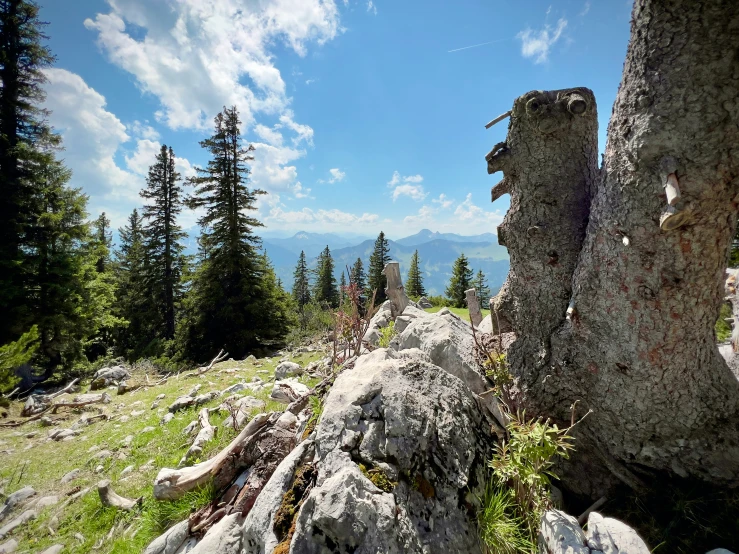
x=386, y=335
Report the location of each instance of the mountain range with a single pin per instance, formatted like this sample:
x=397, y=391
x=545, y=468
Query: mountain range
x=436, y=251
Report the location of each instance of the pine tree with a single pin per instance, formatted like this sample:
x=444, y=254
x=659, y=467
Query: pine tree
x=105, y=239
x=480, y=283
x=461, y=281
x=357, y=276
x=325, y=288
x=301, y=284
x=228, y=301
x=22, y=127
x=163, y=238
x=133, y=300
x=379, y=258
x=414, y=282
x=342, y=289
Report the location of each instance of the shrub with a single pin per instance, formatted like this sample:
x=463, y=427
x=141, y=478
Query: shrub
x=386, y=335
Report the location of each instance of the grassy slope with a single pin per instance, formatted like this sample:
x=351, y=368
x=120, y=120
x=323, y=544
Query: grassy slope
x=41, y=463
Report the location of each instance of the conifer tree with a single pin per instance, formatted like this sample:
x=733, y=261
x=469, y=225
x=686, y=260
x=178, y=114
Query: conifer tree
x=325, y=288
x=357, y=275
x=133, y=301
x=228, y=304
x=480, y=283
x=414, y=282
x=378, y=259
x=342, y=288
x=461, y=281
x=301, y=284
x=163, y=238
x=104, y=238
x=22, y=126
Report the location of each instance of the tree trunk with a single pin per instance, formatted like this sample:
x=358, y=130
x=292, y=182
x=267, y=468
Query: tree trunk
x=634, y=342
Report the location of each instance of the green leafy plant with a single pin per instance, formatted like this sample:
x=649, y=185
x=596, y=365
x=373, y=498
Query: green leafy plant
x=387, y=334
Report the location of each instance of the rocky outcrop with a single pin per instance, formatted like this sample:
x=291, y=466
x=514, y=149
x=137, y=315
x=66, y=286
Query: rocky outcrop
x=109, y=376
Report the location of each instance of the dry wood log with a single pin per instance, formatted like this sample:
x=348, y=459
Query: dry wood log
x=111, y=499
x=207, y=433
x=395, y=290
x=171, y=484
x=498, y=119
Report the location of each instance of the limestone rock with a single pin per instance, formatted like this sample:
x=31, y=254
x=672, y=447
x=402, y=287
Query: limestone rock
x=71, y=476
x=380, y=320
x=171, y=541
x=424, y=303
x=25, y=517
x=287, y=369
x=561, y=534
x=15, y=499
x=612, y=536
x=415, y=423
x=288, y=390
x=109, y=376
x=55, y=549
x=487, y=324
x=8, y=547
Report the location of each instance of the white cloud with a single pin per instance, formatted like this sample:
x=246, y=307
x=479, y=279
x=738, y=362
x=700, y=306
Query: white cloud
x=92, y=136
x=196, y=56
x=336, y=175
x=416, y=192
x=443, y=201
x=310, y=81
x=144, y=130
x=145, y=155
x=536, y=44
x=408, y=185
x=299, y=191
x=468, y=213
x=321, y=219
x=585, y=8
x=371, y=7
x=424, y=216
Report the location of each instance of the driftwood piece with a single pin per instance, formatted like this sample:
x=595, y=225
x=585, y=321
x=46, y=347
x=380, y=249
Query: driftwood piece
x=207, y=433
x=498, y=119
x=473, y=305
x=219, y=358
x=171, y=484
x=111, y=499
x=395, y=290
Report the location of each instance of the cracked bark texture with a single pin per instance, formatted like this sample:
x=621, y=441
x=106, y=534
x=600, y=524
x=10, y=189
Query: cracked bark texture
x=640, y=349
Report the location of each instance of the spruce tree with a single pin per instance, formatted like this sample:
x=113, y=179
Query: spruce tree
x=133, y=300
x=163, y=239
x=22, y=127
x=357, y=276
x=414, y=282
x=480, y=283
x=325, y=288
x=301, y=284
x=461, y=281
x=342, y=288
x=104, y=238
x=228, y=304
x=378, y=259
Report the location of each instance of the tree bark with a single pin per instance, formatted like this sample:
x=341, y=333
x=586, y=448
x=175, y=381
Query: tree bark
x=625, y=317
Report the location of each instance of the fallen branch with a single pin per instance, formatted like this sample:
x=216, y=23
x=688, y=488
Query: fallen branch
x=597, y=504
x=109, y=497
x=18, y=423
x=84, y=400
x=206, y=434
x=65, y=389
x=219, y=358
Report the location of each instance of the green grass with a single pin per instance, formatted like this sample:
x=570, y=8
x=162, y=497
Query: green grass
x=45, y=462
x=461, y=312
x=723, y=329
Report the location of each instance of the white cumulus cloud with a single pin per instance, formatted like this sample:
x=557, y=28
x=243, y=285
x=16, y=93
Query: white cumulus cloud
x=536, y=44
x=415, y=192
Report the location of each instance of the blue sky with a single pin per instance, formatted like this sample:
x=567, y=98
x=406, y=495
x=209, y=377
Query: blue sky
x=365, y=115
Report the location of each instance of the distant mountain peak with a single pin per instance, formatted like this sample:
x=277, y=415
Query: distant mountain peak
x=302, y=235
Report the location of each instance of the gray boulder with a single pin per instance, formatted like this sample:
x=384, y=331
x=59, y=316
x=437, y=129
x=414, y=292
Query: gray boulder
x=25, y=517
x=421, y=431
x=9, y=546
x=486, y=326
x=424, y=303
x=380, y=320
x=560, y=533
x=109, y=376
x=16, y=499
x=287, y=369
x=612, y=536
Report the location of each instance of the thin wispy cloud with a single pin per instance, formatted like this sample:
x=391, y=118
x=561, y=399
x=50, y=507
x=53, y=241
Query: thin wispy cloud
x=536, y=44
x=476, y=45
x=371, y=7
